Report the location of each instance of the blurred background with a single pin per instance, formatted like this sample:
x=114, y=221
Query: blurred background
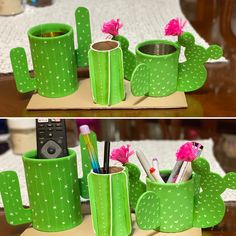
x=19, y=134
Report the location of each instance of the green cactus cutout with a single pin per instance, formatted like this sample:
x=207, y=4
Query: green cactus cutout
x=83, y=35
x=86, y=165
x=129, y=58
x=21, y=70
x=192, y=72
x=156, y=74
x=140, y=81
x=148, y=211
x=109, y=199
x=209, y=206
x=136, y=186
x=15, y=213
x=53, y=190
x=106, y=73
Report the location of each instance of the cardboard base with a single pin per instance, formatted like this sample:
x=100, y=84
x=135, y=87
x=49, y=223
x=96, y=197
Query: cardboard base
x=86, y=229
x=82, y=99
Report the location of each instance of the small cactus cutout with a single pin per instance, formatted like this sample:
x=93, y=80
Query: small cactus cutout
x=192, y=72
x=86, y=165
x=148, y=211
x=129, y=58
x=24, y=83
x=136, y=186
x=209, y=206
x=15, y=213
x=84, y=37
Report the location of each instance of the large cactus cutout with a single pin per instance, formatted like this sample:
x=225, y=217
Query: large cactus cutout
x=129, y=58
x=15, y=213
x=109, y=199
x=136, y=186
x=209, y=206
x=53, y=190
x=83, y=35
x=86, y=164
x=192, y=72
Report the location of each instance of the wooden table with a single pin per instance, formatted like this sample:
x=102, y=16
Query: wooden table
x=216, y=98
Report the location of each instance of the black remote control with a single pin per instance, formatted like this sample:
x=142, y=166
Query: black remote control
x=51, y=138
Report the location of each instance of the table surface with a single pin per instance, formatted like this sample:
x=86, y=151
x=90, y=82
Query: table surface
x=216, y=98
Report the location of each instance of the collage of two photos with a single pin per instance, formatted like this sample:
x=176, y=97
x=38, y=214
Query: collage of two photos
x=118, y=118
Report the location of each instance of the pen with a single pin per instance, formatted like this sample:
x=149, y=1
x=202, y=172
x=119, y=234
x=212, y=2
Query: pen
x=106, y=157
x=85, y=131
x=154, y=171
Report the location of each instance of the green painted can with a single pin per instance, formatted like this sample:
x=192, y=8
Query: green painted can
x=109, y=200
x=158, y=62
x=106, y=72
x=53, y=191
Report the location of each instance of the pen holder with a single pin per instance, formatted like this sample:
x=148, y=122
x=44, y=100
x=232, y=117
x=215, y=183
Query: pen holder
x=53, y=191
x=170, y=207
x=159, y=73
x=109, y=202
x=54, y=57
x=86, y=164
x=106, y=72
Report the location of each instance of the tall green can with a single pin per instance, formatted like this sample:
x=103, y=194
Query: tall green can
x=109, y=200
x=106, y=72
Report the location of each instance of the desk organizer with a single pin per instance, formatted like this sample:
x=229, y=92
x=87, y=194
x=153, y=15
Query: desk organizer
x=53, y=190
x=158, y=71
x=178, y=207
x=109, y=200
x=55, y=59
x=106, y=72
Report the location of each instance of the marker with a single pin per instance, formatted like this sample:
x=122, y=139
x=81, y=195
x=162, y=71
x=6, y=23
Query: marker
x=106, y=157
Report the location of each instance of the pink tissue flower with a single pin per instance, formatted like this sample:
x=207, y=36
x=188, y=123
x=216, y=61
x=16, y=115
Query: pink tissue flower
x=175, y=27
x=112, y=27
x=122, y=154
x=186, y=152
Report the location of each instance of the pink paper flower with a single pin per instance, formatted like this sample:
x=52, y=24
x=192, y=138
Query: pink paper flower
x=175, y=27
x=122, y=154
x=186, y=152
x=112, y=27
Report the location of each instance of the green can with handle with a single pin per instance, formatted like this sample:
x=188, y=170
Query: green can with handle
x=106, y=72
x=55, y=59
x=53, y=191
x=109, y=200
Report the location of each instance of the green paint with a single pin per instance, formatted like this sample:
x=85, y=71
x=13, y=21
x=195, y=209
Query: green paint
x=109, y=201
x=192, y=72
x=106, y=74
x=128, y=56
x=83, y=35
x=86, y=165
x=53, y=190
x=159, y=72
x=136, y=186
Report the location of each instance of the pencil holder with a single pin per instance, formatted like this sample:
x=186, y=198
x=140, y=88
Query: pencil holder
x=106, y=72
x=54, y=57
x=158, y=71
x=109, y=202
x=169, y=207
x=86, y=164
x=53, y=191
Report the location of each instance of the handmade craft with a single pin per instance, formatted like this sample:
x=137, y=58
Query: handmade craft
x=55, y=59
x=53, y=190
x=109, y=199
x=158, y=71
x=106, y=72
x=175, y=207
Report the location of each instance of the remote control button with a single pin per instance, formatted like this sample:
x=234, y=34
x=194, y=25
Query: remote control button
x=50, y=129
x=58, y=129
x=50, y=135
x=49, y=125
x=59, y=141
x=51, y=150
